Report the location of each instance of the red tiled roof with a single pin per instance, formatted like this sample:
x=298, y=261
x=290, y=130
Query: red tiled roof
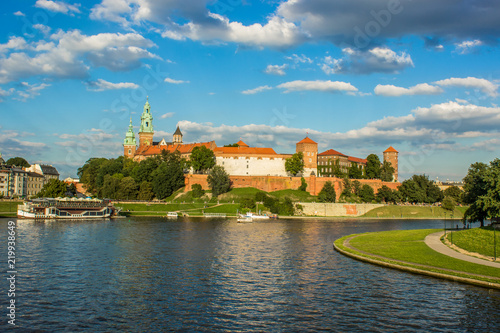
x=183, y=148
x=330, y=152
x=357, y=160
x=242, y=150
x=390, y=150
x=242, y=144
x=306, y=140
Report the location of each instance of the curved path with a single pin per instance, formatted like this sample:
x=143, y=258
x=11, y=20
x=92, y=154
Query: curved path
x=434, y=242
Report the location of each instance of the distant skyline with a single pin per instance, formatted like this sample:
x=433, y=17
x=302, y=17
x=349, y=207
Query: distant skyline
x=356, y=76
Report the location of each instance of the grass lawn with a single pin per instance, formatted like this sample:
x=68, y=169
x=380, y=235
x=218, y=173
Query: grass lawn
x=479, y=240
x=161, y=207
x=393, y=211
x=408, y=245
x=295, y=195
x=9, y=206
x=236, y=194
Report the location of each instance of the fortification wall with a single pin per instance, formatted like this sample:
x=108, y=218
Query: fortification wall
x=337, y=209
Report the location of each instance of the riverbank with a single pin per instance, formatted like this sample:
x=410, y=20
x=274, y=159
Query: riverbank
x=406, y=250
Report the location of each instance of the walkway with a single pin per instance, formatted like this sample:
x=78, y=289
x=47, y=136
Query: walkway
x=434, y=242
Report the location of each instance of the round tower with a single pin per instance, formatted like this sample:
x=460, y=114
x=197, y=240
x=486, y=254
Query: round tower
x=129, y=144
x=309, y=149
x=146, y=131
x=391, y=156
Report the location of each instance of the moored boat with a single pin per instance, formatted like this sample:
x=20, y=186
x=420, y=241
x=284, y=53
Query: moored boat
x=66, y=208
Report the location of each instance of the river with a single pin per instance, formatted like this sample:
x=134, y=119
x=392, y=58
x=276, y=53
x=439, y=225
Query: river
x=216, y=275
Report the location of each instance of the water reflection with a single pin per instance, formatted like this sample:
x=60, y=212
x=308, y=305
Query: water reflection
x=148, y=274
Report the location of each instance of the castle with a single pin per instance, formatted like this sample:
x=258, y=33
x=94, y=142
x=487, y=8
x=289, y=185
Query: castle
x=244, y=160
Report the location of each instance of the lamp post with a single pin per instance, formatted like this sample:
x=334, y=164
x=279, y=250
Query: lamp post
x=495, y=242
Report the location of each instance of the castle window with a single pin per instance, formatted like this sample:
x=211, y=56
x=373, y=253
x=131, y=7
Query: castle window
x=130, y=151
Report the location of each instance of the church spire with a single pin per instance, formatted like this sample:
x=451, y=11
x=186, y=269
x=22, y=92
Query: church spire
x=146, y=131
x=130, y=136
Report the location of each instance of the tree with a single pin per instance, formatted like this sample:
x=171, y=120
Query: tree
x=366, y=193
x=127, y=189
x=356, y=187
x=355, y=172
x=448, y=204
x=387, y=172
x=482, y=191
x=232, y=145
x=372, y=167
x=327, y=193
x=347, y=185
x=385, y=194
x=72, y=189
x=303, y=184
x=218, y=180
x=53, y=189
x=168, y=177
x=197, y=191
x=295, y=164
x=454, y=192
x=202, y=159
x=111, y=186
x=18, y=162
x=419, y=189
x=145, y=191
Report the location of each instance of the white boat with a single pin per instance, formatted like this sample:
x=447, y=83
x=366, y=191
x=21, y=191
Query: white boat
x=66, y=208
x=244, y=219
x=172, y=215
x=256, y=216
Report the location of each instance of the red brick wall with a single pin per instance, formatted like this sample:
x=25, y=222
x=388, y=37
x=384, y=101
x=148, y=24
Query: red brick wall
x=272, y=183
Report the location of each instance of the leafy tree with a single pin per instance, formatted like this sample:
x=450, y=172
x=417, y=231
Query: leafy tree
x=127, y=189
x=366, y=193
x=72, y=189
x=454, y=192
x=387, y=172
x=448, y=204
x=385, y=194
x=337, y=171
x=355, y=172
x=144, y=172
x=346, y=184
x=295, y=164
x=286, y=207
x=218, y=180
x=88, y=173
x=202, y=159
x=111, y=186
x=261, y=196
x=356, y=187
x=411, y=192
x=145, y=191
x=303, y=184
x=482, y=191
x=232, y=145
x=247, y=203
x=53, y=189
x=372, y=167
x=419, y=189
x=18, y=161
x=197, y=191
x=327, y=193
x=168, y=177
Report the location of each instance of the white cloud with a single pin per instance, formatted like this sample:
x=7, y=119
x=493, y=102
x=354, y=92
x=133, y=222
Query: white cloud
x=419, y=89
x=299, y=59
x=484, y=85
x=468, y=46
x=378, y=59
x=68, y=55
x=57, y=6
x=167, y=115
x=275, y=69
x=43, y=28
x=326, y=86
x=101, y=85
x=13, y=145
x=169, y=80
x=256, y=90
x=28, y=91
x=19, y=13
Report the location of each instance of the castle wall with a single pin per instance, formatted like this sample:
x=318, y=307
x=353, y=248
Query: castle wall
x=274, y=183
x=255, y=166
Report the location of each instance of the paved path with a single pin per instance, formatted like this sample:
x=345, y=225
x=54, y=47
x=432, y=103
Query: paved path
x=434, y=242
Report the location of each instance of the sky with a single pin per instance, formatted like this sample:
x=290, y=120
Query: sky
x=355, y=76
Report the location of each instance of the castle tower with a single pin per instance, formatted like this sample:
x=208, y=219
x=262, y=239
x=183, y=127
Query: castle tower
x=146, y=130
x=391, y=156
x=309, y=149
x=177, y=136
x=129, y=144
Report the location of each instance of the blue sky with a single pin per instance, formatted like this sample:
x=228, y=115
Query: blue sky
x=358, y=76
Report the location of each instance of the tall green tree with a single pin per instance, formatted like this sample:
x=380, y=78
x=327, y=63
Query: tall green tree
x=295, y=164
x=53, y=189
x=127, y=189
x=366, y=193
x=385, y=194
x=145, y=191
x=419, y=189
x=18, y=162
x=387, y=172
x=303, y=184
x=355, y=172
x=218, y=180
x=327, y=193
x=202, y=159
x=168, y=177
x=372, y=167
x=454, y=192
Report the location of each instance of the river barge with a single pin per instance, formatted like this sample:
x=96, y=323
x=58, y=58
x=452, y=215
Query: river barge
x=66, y=208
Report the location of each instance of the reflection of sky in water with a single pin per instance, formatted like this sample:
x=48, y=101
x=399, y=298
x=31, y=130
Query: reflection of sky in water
x=214, y=275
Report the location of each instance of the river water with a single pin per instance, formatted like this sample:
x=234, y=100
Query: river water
x=216, y=275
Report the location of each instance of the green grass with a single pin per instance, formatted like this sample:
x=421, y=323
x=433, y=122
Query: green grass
x=9, y=206
x=409, y=246
x=478, y=240
x=295, y=195
x=393, y=211
x=236, y=194
x=161, y=207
